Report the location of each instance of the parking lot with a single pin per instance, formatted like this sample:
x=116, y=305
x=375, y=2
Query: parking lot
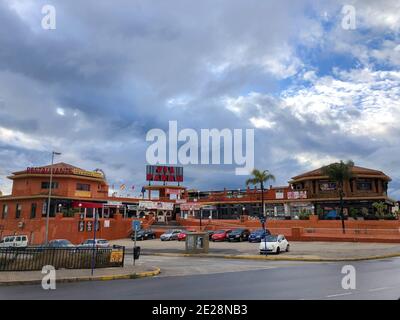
x=329, y=250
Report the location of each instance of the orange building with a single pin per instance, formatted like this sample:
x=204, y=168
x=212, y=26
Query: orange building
x=77, y=195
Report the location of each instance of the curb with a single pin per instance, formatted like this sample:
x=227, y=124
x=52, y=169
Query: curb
x=135, y=275
x=274, y=258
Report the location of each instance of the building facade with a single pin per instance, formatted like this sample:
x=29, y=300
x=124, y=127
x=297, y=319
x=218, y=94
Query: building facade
x=81, y=194
x=366, y=187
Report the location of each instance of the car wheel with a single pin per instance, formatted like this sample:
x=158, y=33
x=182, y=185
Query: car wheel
x=240, y=239
x=287, y=248
x=154, y=236
x=278, y=250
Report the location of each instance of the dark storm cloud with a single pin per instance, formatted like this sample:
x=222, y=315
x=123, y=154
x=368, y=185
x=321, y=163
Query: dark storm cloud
x=112, y=70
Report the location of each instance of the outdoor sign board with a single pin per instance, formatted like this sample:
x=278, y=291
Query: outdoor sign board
x=81, y=226
x=136, y=225
x=89, y=226
x=149, y=205
x=62, y=170
x=279, y=194
x=116, y=256
x=190, y=206
x=297, y=195
x=164, y=173
x=172, y=191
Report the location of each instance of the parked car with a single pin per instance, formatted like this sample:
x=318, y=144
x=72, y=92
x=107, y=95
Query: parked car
x=170, y=235
x=239, y=235
x=182, y=236
x=220, y=235
x=258, y=235
x=183, y=233
x=275, y=244
x=210, y=233
x=60, y=243
x=144, y=234
x=99, y=243
x=20, y=241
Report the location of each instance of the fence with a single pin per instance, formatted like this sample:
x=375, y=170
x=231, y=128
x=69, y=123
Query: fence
x=34, y=258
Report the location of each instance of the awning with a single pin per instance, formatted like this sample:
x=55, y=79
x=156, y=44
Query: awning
x=82, y=204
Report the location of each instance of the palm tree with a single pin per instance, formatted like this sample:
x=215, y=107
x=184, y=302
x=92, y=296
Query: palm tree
x=260, y=177
x=340, y=173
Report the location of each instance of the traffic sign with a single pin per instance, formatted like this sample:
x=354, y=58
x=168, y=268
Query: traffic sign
x=136, y=225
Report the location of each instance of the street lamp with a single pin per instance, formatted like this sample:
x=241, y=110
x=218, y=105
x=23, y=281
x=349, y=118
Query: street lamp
x=49, y=199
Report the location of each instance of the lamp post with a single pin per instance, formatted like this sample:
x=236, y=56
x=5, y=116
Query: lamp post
x=201, y=216
x=49, y=199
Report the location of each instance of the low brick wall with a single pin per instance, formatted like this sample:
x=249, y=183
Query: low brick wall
x=314, y=229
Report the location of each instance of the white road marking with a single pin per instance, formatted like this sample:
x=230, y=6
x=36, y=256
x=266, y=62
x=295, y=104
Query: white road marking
x=379, y=289
x=339, y=294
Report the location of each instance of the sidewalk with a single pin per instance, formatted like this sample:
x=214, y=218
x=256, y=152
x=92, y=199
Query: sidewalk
x=66, y=275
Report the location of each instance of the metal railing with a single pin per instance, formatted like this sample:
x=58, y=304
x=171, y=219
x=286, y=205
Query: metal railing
x=34, y=258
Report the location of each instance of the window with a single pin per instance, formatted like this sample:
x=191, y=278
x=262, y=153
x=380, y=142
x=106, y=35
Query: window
x=327, y=186
x=18, y=211
x=364, y=185
x=46, y=184
x=33, y=210
x=5, y=211
x=83, y=187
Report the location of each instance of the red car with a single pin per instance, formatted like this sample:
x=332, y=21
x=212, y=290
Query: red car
x=182, y=235
x=220, y=235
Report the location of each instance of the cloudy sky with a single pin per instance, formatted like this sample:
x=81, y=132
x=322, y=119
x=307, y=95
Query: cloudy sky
x=314, y=92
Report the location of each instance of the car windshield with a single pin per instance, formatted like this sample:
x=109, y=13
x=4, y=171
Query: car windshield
x=259, y=231
x=237, y=231
x=219, y=231
x=272, y=238
x=60, y=243
x=89, y=242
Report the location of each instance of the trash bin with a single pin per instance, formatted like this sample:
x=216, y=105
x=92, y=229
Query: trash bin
x=136, y=253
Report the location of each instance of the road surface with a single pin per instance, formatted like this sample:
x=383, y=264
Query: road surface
x=206, y=278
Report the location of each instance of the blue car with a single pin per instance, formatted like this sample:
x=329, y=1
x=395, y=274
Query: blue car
x=258, y=235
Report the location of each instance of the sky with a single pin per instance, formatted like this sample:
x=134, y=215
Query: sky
x=314, y=90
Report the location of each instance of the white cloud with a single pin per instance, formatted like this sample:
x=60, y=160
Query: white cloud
x=262, y=123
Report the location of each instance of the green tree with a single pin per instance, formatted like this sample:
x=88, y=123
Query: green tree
x=380, y=208
x=340, y=173
x=261, y=178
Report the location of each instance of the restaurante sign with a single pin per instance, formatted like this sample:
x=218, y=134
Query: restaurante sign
x=63, y=170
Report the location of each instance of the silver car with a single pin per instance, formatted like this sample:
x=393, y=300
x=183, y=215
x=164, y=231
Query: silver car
x=100, y=243
x=170, y=235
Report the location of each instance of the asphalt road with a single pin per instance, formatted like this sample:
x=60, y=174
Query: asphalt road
x=207, y=279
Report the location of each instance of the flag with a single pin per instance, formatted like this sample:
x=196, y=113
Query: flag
x=122, y=187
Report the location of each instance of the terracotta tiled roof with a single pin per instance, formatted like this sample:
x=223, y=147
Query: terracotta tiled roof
x=356, y=170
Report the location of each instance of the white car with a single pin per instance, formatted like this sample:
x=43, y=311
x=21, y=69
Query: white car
x=274, y=244
x=20, y=241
